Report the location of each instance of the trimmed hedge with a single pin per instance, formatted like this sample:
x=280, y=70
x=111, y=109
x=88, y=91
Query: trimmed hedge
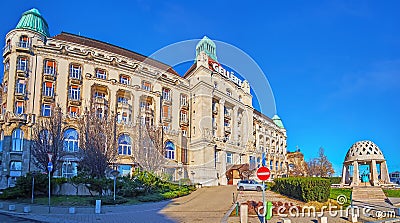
x=334, y=180
x=304, y=188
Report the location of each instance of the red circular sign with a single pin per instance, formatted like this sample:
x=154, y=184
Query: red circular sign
x=263, y=173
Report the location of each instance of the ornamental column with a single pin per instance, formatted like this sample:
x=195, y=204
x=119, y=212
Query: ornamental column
x=356, y=174
x=344, y=174
x=234, y=123
x=374, y=173
x=221, y=118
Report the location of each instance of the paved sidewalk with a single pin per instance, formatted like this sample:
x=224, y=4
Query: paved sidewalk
x=207, y=205
x=147, y=212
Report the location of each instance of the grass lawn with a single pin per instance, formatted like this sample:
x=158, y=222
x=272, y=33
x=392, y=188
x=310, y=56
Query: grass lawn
x=336, y=192
x=391, y=193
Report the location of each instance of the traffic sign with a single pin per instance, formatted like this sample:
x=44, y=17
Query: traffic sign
x=263, y=173
x=50, y=166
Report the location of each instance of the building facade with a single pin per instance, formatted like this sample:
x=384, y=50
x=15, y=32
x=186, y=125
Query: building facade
x=208, y=121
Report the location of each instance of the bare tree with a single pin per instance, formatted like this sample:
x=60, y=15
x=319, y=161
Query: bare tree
x=300, y=168
x=98, y=146
x=148, y=152
x=48, y=137
x=320, y=166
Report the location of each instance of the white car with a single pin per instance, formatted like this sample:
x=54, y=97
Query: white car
x=250, y=185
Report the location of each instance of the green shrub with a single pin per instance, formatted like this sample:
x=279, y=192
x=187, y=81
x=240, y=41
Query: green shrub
x=151, y=198
x=304, y=188
x=334, y=180
x=23, y=187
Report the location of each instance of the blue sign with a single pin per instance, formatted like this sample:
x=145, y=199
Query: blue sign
x=50, y=166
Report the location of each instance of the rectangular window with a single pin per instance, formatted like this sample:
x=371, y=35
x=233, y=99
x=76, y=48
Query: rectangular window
x=24, y=42
x=15, y=165
x=46, y=110
x=99, y=94
x=50, y=67
x=124, y=79
x=123, y=100
x=19, y=107
x=183, y=116
x=73, y=111
x=184, y=132
x=166, y=112
x=48, y=89
x=7, y=65
x=101, y=74
x=74, y=92
x=146, y=86
x=184, y=100
x=166, y=94
x=20, y=87
x=75, y=71
x=229, y=158
x=145, y=105
x=22, y=64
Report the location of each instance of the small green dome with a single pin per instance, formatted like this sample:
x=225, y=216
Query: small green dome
x=208, y=46
x=278, y=121
x=34, y=21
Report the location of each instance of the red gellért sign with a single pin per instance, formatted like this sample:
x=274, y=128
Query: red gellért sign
x=263, y=173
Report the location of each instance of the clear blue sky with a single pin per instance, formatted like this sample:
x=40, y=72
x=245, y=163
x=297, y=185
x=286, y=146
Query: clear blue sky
x=333, y=65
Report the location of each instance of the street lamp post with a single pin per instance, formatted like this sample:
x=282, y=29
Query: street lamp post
x=33, y=186
x=49, y=169
x=115, y=174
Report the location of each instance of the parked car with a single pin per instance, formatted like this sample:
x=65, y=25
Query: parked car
x=250, y=185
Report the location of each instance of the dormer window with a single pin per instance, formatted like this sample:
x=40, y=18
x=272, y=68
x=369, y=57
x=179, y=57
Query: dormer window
x=124, y=79
x=23, y=42
x=228, y=92
x=101, y=74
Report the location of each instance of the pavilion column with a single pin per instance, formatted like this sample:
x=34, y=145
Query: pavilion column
x=356, y=174
x=344, y=174
x=374, y=173
x=384, y=172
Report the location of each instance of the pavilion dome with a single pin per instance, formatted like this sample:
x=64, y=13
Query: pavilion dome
x=33, y=20
x=364, y=151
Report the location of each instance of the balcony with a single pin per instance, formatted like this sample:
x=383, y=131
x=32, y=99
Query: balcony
x=23, y=46
x=124, y=106
x=48, y=98
x=22, y=70
x=184, y=122
x=185, y=106
x=6, y=50
x=19, y=118
x=147, y=111
x=75, y=81
x=166, y=118
x=101, y=101
x=74, y=102
x=227, y=115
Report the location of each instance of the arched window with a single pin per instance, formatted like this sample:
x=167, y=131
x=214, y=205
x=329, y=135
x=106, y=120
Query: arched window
x=169, y=150
x=124, y=145
x=71, y=140
x=17, y=140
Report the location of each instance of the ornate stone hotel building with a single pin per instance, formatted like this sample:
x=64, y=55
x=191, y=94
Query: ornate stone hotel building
x=212, y=133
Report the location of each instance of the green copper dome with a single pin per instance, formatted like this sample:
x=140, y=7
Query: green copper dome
x=34, y=21
x=208, y=46
x=278, y=121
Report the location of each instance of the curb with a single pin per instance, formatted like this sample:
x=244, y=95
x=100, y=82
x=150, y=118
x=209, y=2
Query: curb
x=226, y=216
